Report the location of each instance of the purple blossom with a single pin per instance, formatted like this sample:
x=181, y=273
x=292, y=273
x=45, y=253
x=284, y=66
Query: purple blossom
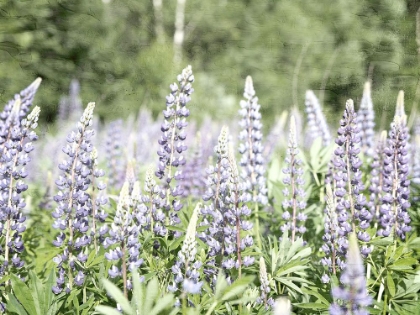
x=226, y=213
x=352, y=296
x=294, y=191
x=366, y=121
x=124, y=235
x=250, y=146
x=114, y=154
x=394, y=218
x=16, y=137
x=75, y=206
x=352, y=214
x=172, y=143
x=317, y=125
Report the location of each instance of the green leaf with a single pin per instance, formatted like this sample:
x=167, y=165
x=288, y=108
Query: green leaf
x=390, y=285
x=14, y=306
x=163, y=303
x=38, y=293
x=404, y=263
x=23, y=294
x=118, y=296
x=238, y=287
x=152, y=292
x=314, y=306
x=106, y=310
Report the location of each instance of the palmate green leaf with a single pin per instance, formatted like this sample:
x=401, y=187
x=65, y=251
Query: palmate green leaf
x=237, y=287
x=390, y=285
x=163, y=303
x=13, y=306
x=314, y=292
x=38, y=292
x=404, y=264
x=23, y=294
x=118, y=296
x=138, y=292
x=152, y=291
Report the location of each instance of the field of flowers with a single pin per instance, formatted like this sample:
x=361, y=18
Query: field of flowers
x=166, y=216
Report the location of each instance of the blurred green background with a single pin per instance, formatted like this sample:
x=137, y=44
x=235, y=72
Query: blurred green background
x=122, y=52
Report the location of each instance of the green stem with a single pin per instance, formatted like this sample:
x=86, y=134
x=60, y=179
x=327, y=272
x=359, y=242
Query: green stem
x=257, y=226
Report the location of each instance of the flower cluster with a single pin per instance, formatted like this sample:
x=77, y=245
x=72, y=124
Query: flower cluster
x=366, y=121
x=194, y=177
x=70, y=106
x=152, y=217
x=250, y=147
x=124, y=234
x=265, y=287
x=186, y=269
x=396, y=192
x=377, y=177
x=317, y=125
x=16, y=137
x=25, y=99
x=350, y=201
x=330, y=237
x=294, y=192
x=74, y=211
x=225, y=215
x=114, y=154
x=172, y=143
x=352, y=296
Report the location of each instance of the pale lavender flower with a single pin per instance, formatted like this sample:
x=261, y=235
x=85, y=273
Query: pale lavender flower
x=226, y=214
x=348, y=187
x=16, y=137
x=377, y=177
x=294, y=191
x=114, y=154
x=366, y=122
x=352, y=296
x=394, y=217
x=172, y=144
x=186, y=270
x=124, y=235
x=74, y=204
x=251, y=147
x=317, y=125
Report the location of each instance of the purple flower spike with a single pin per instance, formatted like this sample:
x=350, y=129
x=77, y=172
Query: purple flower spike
x=294, y=193
x=317, y=125
x=16, y=137
x=226, y=213
x=350, y=202
x=251, y=147
x=366, y=121
x=78, y=210
x=352, y=296
x=394, y=218
x=172, y=143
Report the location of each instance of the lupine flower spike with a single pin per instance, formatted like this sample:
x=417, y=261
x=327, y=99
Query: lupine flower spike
x=352, y=296
x=331, y=259
x=394, y=217
x=226, y=213
x=265, y=287
x=186, y=268
x=351, y=212
x=317, y=125
x=74, y=205
x=366, y=121
x=294, y=193
x=377, y=178
x=124, y=233
x=172, y=143
x=251, y=148
x=16, y=136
